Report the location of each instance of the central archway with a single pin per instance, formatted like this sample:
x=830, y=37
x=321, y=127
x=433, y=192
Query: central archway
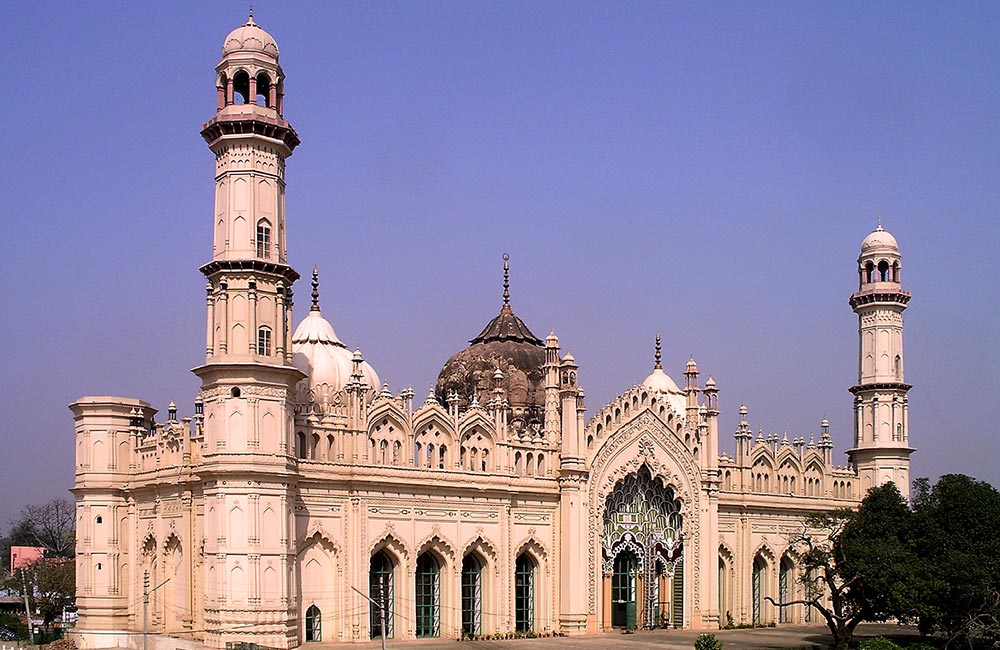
x=643, y=552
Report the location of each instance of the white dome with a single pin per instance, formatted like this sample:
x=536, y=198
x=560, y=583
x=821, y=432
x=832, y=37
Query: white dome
x=659, y=381
x=879, y=240
x=249, y=37
x=325, y=359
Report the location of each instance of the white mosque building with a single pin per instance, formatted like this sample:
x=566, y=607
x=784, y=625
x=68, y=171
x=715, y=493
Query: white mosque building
x=492, y=504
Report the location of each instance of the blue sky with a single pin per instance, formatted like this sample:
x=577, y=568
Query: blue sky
x=707, y=170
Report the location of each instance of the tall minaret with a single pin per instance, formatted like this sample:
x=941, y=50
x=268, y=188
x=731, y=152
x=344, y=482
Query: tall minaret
x=881, y=450
x=248, y=380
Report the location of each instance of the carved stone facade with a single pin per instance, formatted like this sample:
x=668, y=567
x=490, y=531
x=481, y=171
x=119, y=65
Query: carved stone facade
x=301, y=487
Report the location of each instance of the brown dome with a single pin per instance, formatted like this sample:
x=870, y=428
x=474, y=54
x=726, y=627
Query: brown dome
x=505, y=343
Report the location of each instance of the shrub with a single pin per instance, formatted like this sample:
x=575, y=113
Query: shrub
x=879, y=643
x=920, y=646
x=707, y=642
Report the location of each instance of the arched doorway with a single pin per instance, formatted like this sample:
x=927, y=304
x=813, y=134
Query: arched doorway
x=643, y=553
x=623, y=594
x=381, y=588
x=786, y=589
x=759, y=584
x=428, y=592
x=524, y=593
x=472, y=596
x=314, y=624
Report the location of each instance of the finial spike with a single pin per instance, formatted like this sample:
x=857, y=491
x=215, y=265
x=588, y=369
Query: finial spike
x=657, y=356
x=506, y=279
x=315, y=291
x=879, y=220
x=250, y=19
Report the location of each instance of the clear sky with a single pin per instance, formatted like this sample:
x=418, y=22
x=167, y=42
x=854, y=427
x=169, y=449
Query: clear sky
x=707, y=170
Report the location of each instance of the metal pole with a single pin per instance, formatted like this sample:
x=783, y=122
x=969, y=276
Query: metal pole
x=145, y=606
x=27, y=609
x=381, y=606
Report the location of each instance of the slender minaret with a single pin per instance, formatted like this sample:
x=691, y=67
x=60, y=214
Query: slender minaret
x=248, y=380
x=881, y=450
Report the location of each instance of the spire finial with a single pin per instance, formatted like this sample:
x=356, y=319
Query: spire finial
x=656, y=357
x=315, y=292
x=250, y=18
x=879, y=220
x=506, y=279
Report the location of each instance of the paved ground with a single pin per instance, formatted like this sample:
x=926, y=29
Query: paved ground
x=785, y=637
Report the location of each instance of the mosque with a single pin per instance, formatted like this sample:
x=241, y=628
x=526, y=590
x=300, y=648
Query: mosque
x=305, y=502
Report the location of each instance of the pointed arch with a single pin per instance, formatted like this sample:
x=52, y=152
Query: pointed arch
x=437, y=543
x=482, y=545
x=390, y=542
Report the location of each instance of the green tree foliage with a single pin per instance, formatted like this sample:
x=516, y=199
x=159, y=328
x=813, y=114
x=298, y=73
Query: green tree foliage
x=51, y=586
x=856, y=563
x=957, y=534
x=707, y=642
x=879, y=643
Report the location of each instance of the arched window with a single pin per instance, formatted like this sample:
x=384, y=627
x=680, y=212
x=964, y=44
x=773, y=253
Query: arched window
x=895, y=271
x=263, y=90
x=264, y=341
x=428, y=592
x=300, y=445
x=314, y=624
x=524, y=593
x=380, y=588
x=883, y=271
x=869, y=272
x=472, y=596
x=785, y=586
x=241, y=87
x=263, y=239
x=314, y=447
x=759, y=578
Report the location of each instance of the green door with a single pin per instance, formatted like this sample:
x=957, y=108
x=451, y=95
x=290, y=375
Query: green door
x=623, y=605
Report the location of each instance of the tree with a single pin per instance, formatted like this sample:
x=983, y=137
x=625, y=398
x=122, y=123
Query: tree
x=861, y=560
x=51, y=586
x=956, y=523
x=50, y=526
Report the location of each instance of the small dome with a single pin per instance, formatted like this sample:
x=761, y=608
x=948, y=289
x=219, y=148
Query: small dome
x=249, y=37
x=879, y=240
x=660, y=382
x=322, y=356
x=505, y=343
x=325, y=359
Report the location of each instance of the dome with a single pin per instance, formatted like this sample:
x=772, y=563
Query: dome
x=506, y=344
x=879, y=240
x=249, y=37
x=325, y=360
x=660, y=382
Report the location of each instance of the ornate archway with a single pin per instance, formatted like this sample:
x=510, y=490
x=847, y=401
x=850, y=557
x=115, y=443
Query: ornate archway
x=642, y=547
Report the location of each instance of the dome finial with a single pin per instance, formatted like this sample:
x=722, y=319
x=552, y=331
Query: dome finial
x=250, y=18
x=506, y=279
x=315, y=291
x=656, y=356
x=879, y=221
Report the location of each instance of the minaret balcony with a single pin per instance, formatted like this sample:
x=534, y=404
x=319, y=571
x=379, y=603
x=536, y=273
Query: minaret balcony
x=882, y=293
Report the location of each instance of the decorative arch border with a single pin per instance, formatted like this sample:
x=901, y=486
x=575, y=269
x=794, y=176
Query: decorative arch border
x=149, y=537
x=316, y=534
x=437, y=543
x=654, y=444
x=480, y=544
x=476, y=418
x=389, y=541
x=165, y=544
x=535, y=548
x=764, y=551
